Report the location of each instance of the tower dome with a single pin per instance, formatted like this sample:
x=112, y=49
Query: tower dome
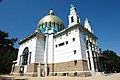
x=50, y=21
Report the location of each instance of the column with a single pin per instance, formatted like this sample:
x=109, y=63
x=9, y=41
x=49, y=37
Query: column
x=46, y=51
x=29, y=58
x=20, y=62
x=91, y=57
x=52, y=49
x=39, y=70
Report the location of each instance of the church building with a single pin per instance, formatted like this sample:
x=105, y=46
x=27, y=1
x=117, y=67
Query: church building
x=56, y=50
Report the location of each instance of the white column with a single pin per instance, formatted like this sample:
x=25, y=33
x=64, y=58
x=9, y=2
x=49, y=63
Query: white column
x=20, y=62
x=28, y=58
x=39, y=70
x=46, y=54
x=91, y=59
x=52, y=47
x=46, y=51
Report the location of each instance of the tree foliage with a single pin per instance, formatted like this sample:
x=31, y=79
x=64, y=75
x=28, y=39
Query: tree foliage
x=7, y=52
x=112, y=62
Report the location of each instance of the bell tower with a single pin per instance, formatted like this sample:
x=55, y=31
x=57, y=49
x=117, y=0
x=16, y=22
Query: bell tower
x=73, y=16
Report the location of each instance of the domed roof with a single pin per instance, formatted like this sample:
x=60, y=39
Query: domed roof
x=50, y=21
x=50, y=18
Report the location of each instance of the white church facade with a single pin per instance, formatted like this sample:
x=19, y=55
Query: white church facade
x=53, y=50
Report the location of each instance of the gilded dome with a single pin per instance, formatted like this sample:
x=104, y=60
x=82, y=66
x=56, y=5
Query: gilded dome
x=51, y=21
x=50, y=18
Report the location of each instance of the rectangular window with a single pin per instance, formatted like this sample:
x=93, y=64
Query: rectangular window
x=61, y=44
x=74, y=51
x=56, y=46
x=75, y=74
x=55, y=74
x=64, y=74
x=73, y=39
x=66, y=33
x=66, y=42
x=75, y=62
x=72, y=20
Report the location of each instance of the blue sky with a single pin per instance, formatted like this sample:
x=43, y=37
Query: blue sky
x=20, y=17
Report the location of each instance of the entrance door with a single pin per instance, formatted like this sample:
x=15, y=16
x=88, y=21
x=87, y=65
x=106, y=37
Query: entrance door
x=48, y=70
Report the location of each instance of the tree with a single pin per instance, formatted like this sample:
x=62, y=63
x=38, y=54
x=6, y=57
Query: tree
x=7, y=52
x=112, y=62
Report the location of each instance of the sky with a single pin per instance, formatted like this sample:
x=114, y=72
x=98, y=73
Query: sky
x=20, y=18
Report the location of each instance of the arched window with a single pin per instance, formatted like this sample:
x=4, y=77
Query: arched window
x=25, y=56
x=54, y=24
x=42, y=25
x=77, y=19
x=45, y=24
x=58, y=25
x=50, y=24
x=72, y=19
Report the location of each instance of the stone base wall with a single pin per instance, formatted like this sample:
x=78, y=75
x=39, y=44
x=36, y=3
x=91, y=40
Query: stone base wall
x=31, y=74
x=72, y=68
x=31, y=70
x=25, y=74
x=32, y=67
x=78, y=74
x=78, y=65
x=15, y=69
x=73, y=74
